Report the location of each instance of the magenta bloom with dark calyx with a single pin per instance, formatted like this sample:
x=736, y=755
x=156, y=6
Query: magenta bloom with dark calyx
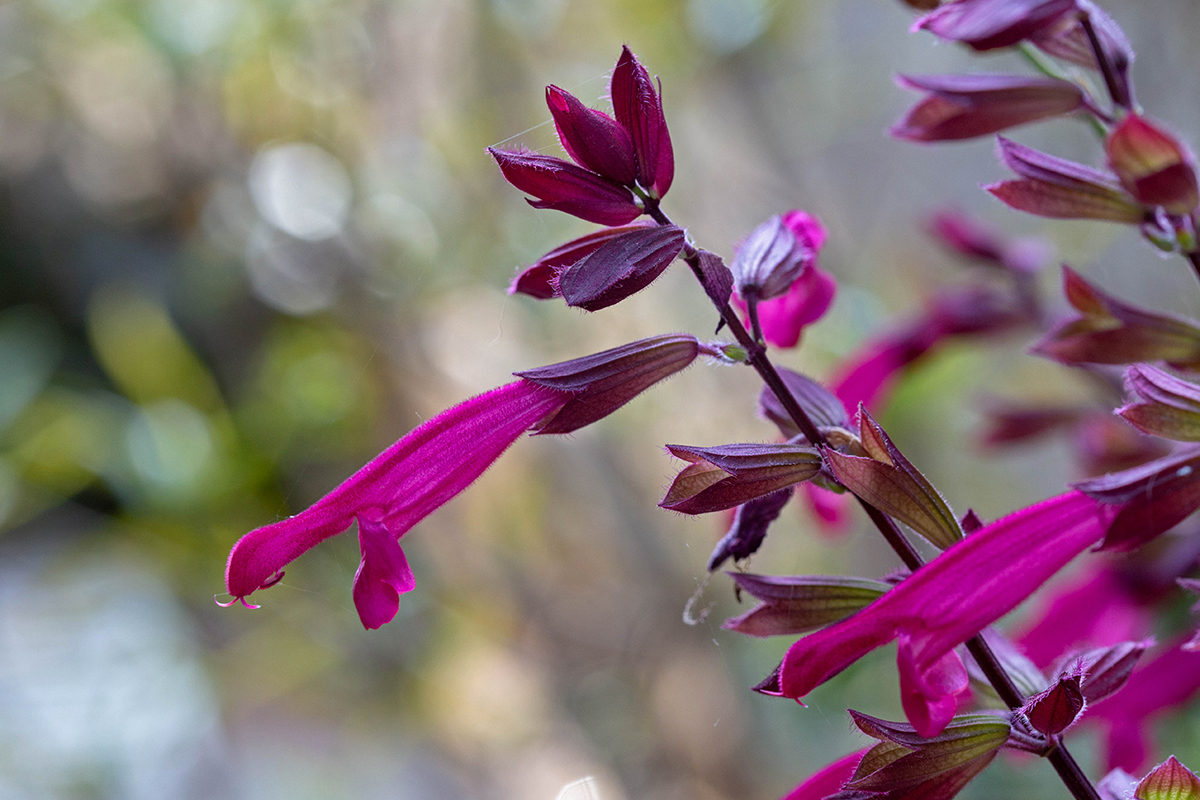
x=562, y=186
x=967, y=106
x=989, y=24
x=637, y=105
x=391, y=494
x=953, y=597
x=1054, y=187
x=778, y=263
x=1152, y=165
x=437, y=460
x=591, y=138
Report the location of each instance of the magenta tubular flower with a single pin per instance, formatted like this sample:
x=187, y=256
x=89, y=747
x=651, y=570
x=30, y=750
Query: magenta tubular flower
x=565, y=187
x=967, y=106
x=1162, y=685
x=950, y=600
x=829, y=780
x=434, y=462
x=989, y=24
x=392, y=493
x=638, y=108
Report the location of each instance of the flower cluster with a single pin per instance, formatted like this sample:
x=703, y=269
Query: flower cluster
x=1080, y=660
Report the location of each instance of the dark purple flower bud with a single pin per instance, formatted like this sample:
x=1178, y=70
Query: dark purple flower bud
x=1054, y=710
x=769, y=260
x=1152, y=165
x=800, y=603
x=1107, y=669
x=1163, y=404
x=729, y=475
x=749, y=528
x=1156, y=497
x=540, y=279
x=988, y=24
x=970, y=522
x=638, y=107
x=1170, y=780
x=822, y=406
x=565, y=187
x=966, y=106
x=1112, y=332
x=1060, y=189
x=603, y=382
x=1068, y=40
x=621, y=266
x=592, y=138
x=888, y=481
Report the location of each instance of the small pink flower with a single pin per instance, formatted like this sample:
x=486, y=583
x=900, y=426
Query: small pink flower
x=950, y=600
x=392, y=493
x=783, y=313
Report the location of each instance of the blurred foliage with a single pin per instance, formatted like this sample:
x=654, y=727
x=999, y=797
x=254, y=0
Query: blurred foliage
x=245, y=244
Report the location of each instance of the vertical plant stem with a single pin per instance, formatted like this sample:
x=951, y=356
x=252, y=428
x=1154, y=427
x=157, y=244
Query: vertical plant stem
x=1115, y=91
x=1064, y=764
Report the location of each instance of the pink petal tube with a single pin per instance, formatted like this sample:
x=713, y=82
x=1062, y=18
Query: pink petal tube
x=392, y=493
x=956, y=595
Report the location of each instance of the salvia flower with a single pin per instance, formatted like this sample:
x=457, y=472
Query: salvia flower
x=437, y=460
x=794, y=604
x=989, y=24
x=967, y=106
x=1152, y=165
x=1162, y=405
x=953, y=597
x=562, y=186
x=909, y=764
x=1110, y=331
x=1054, y=187
x=1068, y=40
x=717, y=478
x=777, y=266
x=637, y=105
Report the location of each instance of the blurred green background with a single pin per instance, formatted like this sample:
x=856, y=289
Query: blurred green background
x=246, y=244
